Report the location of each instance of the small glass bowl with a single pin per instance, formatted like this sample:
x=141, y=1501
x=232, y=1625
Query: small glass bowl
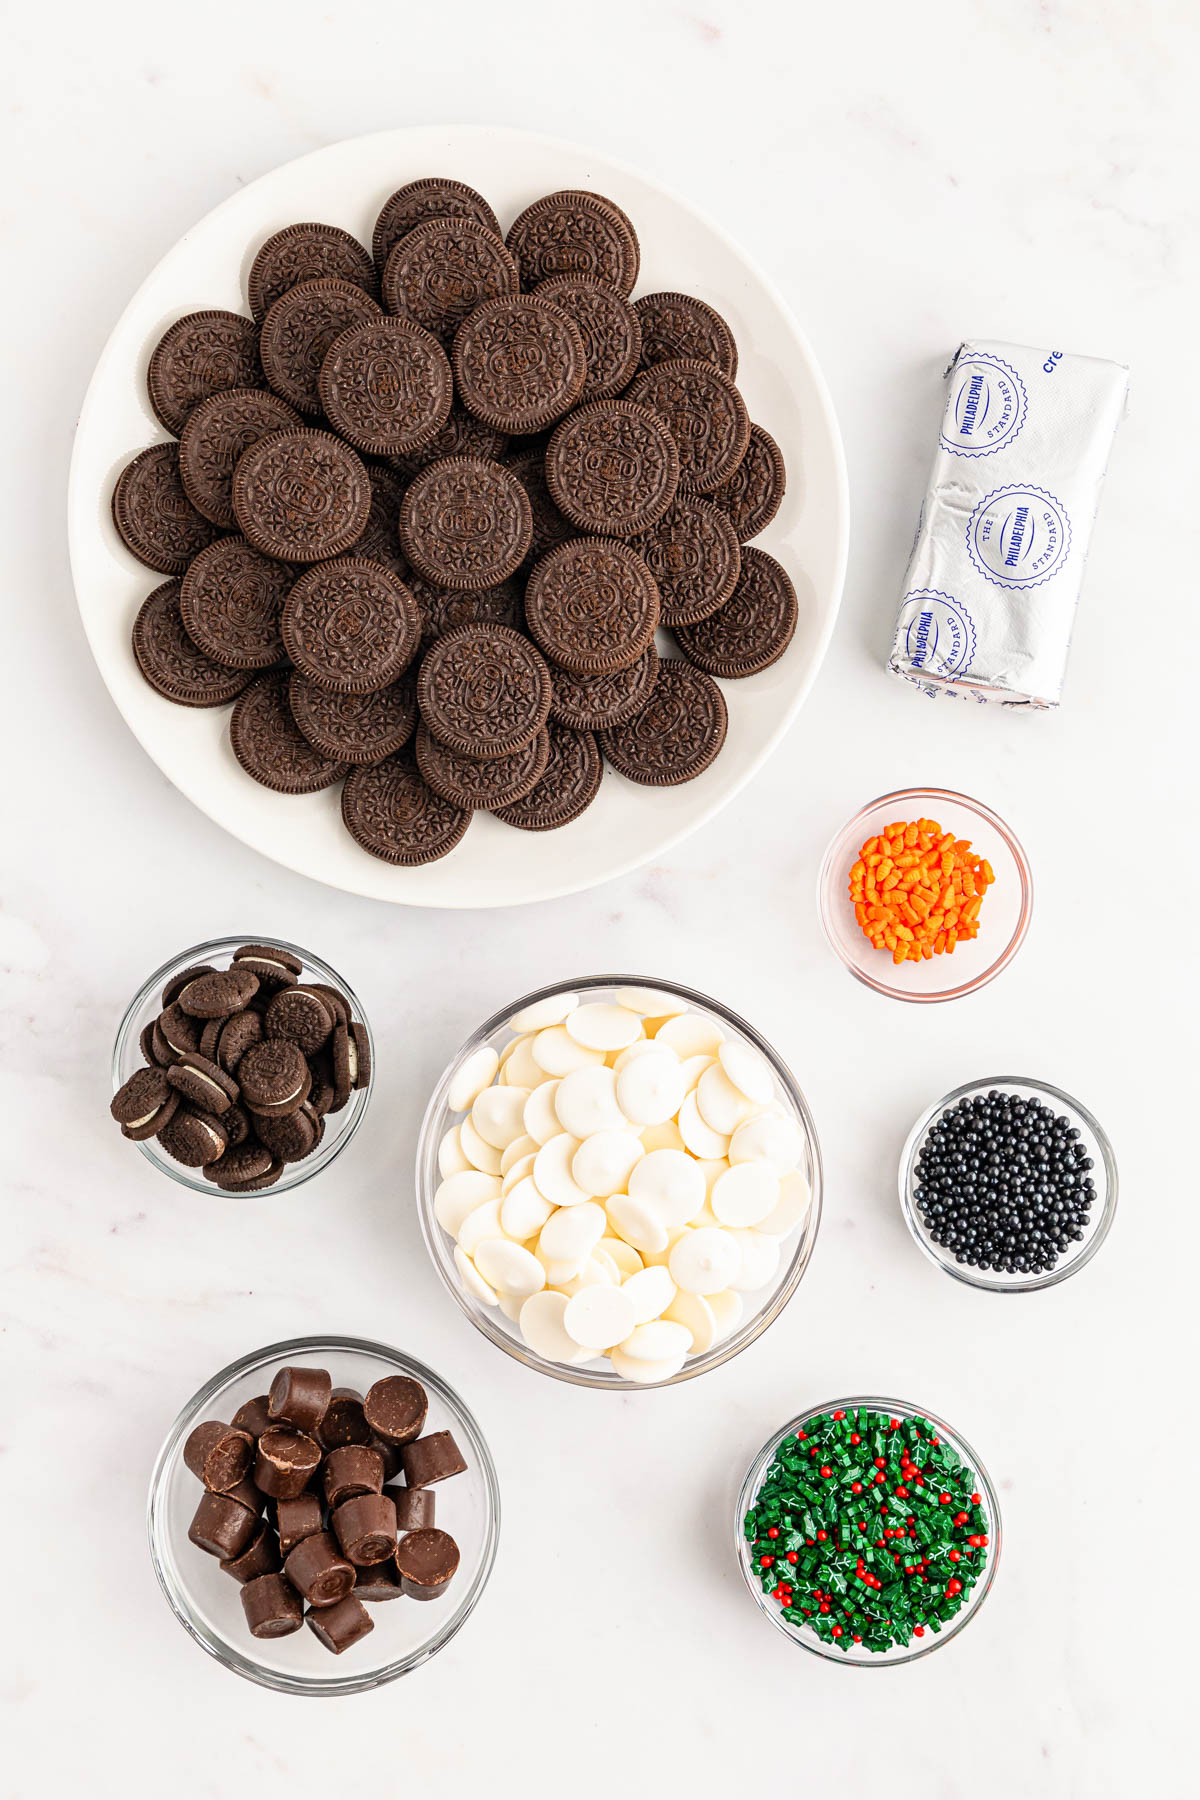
x=856, y=1656
x=145, y=1007
x=207, y=1602
x=1104, y=1173
x=1003, y=919
x=438, y=1119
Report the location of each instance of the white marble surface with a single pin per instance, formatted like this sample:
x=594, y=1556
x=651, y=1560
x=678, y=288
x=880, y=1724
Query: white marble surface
x=908, y=175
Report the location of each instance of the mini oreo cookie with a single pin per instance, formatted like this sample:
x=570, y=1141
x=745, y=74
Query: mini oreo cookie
x=679, y=327
x=753, y=628
x=608, y=325
x=235, y=1037
x=351, y=626
x=549, y=526
x=573, y=232
x=461, y=435
x=153, y=515
x=519, y=363
x=442, y=608
x=301, y=496
x=465, y=523
x=592, y=606
x=201, y=354
x=705, y=415
x=270, y=745
x=482, y=786
x=484, y=691
x=694, y=557
x=218, y=993
x=231, y=604
x=753, y=494
x=293, y=1138
x=203, y=1083
x=244, y=1169
x=391, y=812
x=217, y=433
x=301, y=1015
x=355, y=728
x=568, y=785
x=307, y=252
x=442, y=270
x=676, y=736
x=386, y=386
x=193, y=1138
x=180, y=1033
x=179, y=981
x=173, y=665
x=273, y=966
x=274, y=1077
x=434, y=197
x=300, y=328
x=593, y=702
x=144, y=1104
x=612, y=467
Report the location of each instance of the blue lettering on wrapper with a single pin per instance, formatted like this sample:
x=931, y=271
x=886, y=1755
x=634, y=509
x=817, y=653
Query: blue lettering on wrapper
x=1019, y=536
x=936, y=633
x=987, y=405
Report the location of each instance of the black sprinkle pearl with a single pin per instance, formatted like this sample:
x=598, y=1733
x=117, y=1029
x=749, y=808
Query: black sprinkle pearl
x=1004, y=1183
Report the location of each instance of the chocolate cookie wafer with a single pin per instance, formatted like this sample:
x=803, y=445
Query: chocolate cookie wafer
x=678, y=326
x=705, y=415
x=299, y=330
x=481, y=786
x=270, y=745
x=608, y=325
x=519, y=363
x=754, y=492
x=217, y=433
x=694, y=557
x=592, y=702
x=574, y=233
x=753, y=628
x=676, y=736
x=461, y=435
x=434, y=197
x=592, y=606
x=306, y=253
x=301, y=496
x=612, y=467
x=386, y=386
x=442, y=270
x=202, y=354
x=355, y=728
x=231, y=602
x=484, y=691
x=569, y=783
x=549, y=525
x=442, y=609
x=153, y=515
x=391, y=812
x=172, y=663
x=350, y=626
x=465, y=523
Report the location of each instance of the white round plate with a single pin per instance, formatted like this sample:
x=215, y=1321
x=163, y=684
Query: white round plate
x=346, y=185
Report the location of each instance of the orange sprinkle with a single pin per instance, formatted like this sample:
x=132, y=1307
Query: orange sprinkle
x=917, y=890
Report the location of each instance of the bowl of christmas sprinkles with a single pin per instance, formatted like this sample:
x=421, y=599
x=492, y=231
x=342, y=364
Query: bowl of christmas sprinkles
x=925, y=894
x=1008, y=1184
x=868, y=1531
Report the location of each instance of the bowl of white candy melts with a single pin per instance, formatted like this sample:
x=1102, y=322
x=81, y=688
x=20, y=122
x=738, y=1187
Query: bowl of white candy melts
x=619, y=1183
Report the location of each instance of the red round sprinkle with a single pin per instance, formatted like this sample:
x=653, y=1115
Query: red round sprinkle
x=825, y=1471
x=857, y=1638
x=918, y=1631
x=793, y=1556
x=824, y=1606
x=764, y=1562
x=837, y=1630
x=975, y=1499
x=821, y=1536
x=856, y=1487
x=945, y=1499
x=772, y=1531
x=955, y=1556
x=839, y=1415
x=855, y=1438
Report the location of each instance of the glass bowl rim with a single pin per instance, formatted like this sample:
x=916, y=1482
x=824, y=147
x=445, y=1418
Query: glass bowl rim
x=981, y=1279
x=287, y=1183
x=244, y=1663
x=1012, y=843
x=740, y=1339
x=810, y=1642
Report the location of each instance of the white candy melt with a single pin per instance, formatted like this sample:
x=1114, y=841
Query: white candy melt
x=745, y=1194
x=540, y=1013
x=478, y=1152
x=552, y=1171
x=650, y=1088
x=460, y=1194
x=523, y=1211
x=510, y=1305
x=509, y=1268
x=542, y=1328
x=498, y=1115
x=645, y=1373
x=691, y=1034
x=603, y=1162
x=721, y=1105
x=671, y=1184
x=704, y=1262
x=770, y=1139
x=569, y=1234
x=557, y=1052
x=652, y=1003
x=481, y=1222
x=697, y=1134
x=695, y=1312
x=651, y=1291
x=473, y=1074
x=795, y=1198
x=594, y=1273
x=541, y=1119
x=662, y=1137
x=598, y=1026
x=633, y=1220
x=518, y=1172
x=601, y=1259
x=586, y=1102
x=520, y=1147
x=662, y=1340
x=726, y=1310
x=760, y=1259
x=519, y=1069
x=472, y=1280
x=626, y=1258
x=749, y=1072
x=599, y=1316
x=451, y=1160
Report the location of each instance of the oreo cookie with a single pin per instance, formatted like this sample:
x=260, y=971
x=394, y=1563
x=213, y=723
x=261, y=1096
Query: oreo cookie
x=350, y=626
x=153, y=515
x=569, y=783
x=172, y=664
x=694, y=558
x=705, y=415
x=484, y=691
x=301, y=496
x=434, y=197
x=145, y=1104
x=307, y=252
x=608, y=325
x=592, y=702
x=391, y=812
x=231, y=604
x=753, y=629
x=678, y=327
x=442, y=270
x=753, y=494
x=217, y=433
x=575, y=233
x=355, y=728
x=612, y=467
x=202, y=354
x=386, y=386
x=299, y=330
x=676, y=736
x=465, y=523
x=592, y=606
x=519, y=363
x=485, y=786
x=270, y=745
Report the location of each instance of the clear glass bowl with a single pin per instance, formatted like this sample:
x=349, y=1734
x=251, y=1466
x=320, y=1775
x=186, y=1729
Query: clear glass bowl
x=1104, y=1174
x=146, y=1005
x=207, y=1602
x=856, y=1656
x=768, y=1304
x=1003, y=919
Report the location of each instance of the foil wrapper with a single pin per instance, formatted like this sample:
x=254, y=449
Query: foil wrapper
x=997, y=563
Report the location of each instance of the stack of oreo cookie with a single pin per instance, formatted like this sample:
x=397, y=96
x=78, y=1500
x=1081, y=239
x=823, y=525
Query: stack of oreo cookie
x=429, y=507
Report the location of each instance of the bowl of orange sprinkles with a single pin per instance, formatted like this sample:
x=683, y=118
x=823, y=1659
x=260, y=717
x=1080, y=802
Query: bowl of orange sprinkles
x=925, y=894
